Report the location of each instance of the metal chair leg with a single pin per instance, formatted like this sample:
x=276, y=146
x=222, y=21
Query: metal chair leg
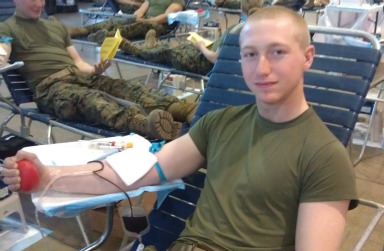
x=369, y=229
x=107, y=230
x=85, y=236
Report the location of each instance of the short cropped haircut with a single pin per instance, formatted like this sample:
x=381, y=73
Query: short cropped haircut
x=301, y=32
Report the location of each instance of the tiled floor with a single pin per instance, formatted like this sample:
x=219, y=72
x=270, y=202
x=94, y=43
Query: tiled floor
x=67, y=236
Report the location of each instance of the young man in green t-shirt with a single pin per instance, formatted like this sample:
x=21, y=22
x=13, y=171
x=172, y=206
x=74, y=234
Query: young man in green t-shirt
x=277, y=178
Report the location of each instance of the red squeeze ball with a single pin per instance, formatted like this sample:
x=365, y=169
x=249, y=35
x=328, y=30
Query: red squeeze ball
x=29, y=175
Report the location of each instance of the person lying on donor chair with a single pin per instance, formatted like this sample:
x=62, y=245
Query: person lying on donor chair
x=66, y=86
x=152, y=14
x=265, y=189
x=186, y=56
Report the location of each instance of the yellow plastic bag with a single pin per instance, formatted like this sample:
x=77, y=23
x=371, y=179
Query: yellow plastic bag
x=110, y=46
x=194, y=38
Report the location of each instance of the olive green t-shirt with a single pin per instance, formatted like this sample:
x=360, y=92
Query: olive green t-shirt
x=158, y=7
x=258, y=172
x=41, y=44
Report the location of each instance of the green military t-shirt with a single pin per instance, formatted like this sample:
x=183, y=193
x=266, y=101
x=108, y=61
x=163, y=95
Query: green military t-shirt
x=158, y=7
x=258, y=172
x=42, y=55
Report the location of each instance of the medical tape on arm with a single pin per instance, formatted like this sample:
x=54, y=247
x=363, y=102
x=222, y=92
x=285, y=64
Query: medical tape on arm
x=153, y=149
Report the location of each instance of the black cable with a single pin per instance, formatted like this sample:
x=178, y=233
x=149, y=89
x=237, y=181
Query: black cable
x=122, y=190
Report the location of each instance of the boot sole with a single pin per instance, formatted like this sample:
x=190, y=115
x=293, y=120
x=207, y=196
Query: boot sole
x=176, y=127
x=161, y=125
x=190, y=114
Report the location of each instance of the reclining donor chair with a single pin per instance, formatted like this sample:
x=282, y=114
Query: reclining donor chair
x=22, y=104
x=336, y=87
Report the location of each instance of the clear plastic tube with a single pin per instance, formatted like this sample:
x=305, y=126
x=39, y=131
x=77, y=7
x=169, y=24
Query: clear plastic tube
x=38, y=203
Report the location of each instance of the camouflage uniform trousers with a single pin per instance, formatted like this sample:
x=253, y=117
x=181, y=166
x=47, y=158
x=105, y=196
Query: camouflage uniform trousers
x=128, y=30
x=81, y=97
x=231, y=4
x=184, y=57
x=128, y=9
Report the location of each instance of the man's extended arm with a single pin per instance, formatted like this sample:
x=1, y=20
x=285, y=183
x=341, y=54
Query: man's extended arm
x=210, y=55
x=320, y=225
x=177, y=159
x=140, y=12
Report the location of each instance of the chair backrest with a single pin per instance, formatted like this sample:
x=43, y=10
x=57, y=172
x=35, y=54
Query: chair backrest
x=18, y=88
x=22, y=94
x=336, y=86
x=7, y=8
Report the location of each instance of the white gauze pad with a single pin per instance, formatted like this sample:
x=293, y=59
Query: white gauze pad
x=132, y=164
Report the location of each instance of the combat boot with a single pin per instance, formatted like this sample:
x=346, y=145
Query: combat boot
x=176, y=128
x=158, y=124
x=150, y=40
x=182, y=111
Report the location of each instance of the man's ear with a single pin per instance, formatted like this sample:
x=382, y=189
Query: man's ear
x=309, y=54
